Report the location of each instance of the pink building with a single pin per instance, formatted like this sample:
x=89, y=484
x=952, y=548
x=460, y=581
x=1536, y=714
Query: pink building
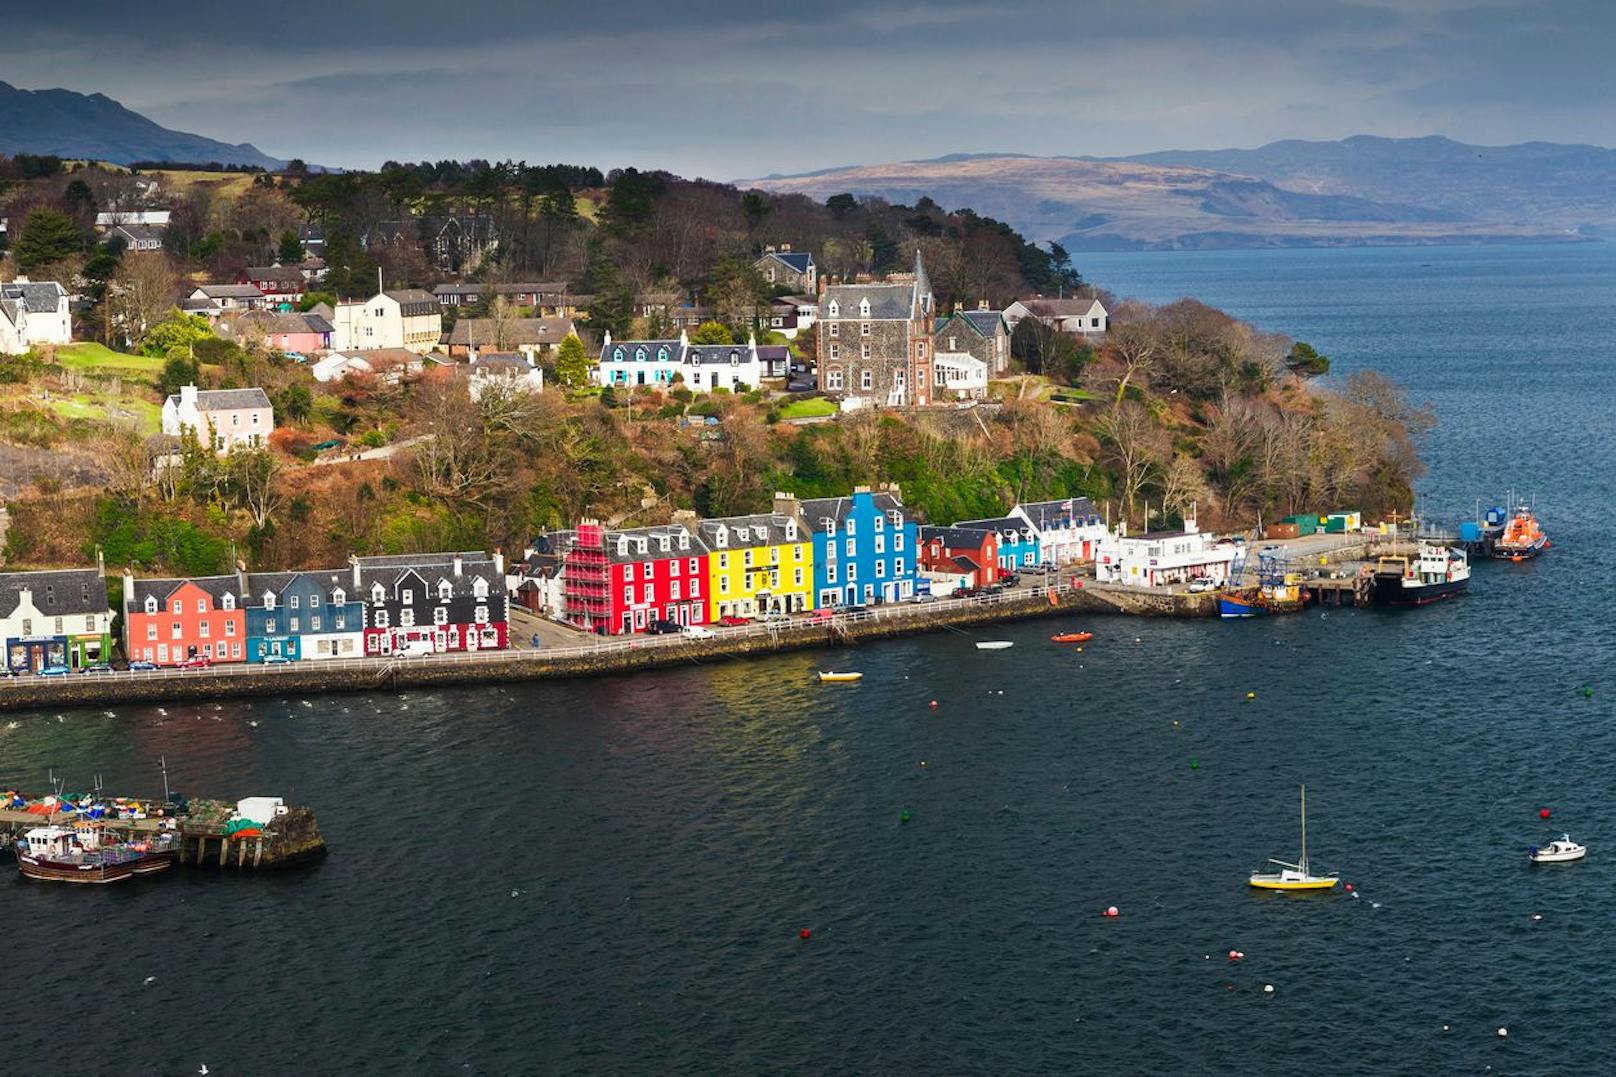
x=222, y=418
x=281, y=331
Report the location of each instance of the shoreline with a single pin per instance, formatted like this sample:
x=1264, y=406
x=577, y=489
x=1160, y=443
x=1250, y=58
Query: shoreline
x=594, y=659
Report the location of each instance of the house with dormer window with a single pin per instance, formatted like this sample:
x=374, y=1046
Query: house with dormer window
x=783, y=267
x=172, y=621
x=57, y=618
x=1018, y=541
x=620, y=582
x=432, y=602
x=864, y=545
x=875, y=340
x=700, y=368
x=757, y=565
x=302, y=616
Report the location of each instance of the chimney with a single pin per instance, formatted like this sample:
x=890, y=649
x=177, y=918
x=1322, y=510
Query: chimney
x=187, y=395
x=768, y=248
x=608, y=340
x=499, y=562
x=353, y=560
x=128, y=596
x=785, y=504
x=981, y=304
x=459, y=567
x=862, y=488
x=785, y=248
x=100, y=563
x=824, y=282
x=685, y=518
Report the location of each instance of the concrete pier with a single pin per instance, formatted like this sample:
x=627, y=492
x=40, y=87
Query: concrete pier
x=286, y=839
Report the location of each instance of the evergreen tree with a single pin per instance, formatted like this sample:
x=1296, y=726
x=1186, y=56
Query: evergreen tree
x=572, y=365
x=48, y=236
x=291, y=249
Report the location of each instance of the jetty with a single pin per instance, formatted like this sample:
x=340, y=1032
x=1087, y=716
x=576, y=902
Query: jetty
x=204, y=837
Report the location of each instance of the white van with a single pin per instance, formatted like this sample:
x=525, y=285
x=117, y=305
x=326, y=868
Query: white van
x=415, y=648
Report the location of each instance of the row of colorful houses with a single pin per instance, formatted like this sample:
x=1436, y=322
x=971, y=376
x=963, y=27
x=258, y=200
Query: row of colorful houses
x=412, y=604
x=860, y=550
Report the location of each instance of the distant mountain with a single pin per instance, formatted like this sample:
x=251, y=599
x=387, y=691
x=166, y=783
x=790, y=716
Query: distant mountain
x=1541, y=184
x=94, y=126
x=1092, y=204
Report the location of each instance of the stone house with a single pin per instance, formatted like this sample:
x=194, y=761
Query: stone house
x=875, y=341
x=981, y=332
x=785, y=268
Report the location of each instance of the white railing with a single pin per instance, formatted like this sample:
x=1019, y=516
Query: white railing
x=380, y=666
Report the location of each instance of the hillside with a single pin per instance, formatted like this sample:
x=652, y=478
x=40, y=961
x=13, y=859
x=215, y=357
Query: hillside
x=1090, y=204
x=63, y=123
x=1533, y=183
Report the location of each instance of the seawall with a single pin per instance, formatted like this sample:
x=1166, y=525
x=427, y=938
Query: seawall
x=592, y=658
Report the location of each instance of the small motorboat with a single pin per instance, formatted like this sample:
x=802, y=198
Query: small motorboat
x=994, y=645
x=1072, y=637
x=1559, y=851
x=839, y=678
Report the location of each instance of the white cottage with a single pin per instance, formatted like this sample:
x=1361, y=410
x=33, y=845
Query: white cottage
x=1163, y=558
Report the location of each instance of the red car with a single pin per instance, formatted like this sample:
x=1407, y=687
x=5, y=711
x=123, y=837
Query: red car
x=732, y=621
x=821, y=616
x=199, y=662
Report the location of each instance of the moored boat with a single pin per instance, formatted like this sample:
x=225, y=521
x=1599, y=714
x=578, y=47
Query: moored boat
x=1295, y=876
x=1072, y=637
x=89, y=852
x=1523, y=538
x=1434, y=573
x=1559, y=851
x=839, y=678
x=994, y=645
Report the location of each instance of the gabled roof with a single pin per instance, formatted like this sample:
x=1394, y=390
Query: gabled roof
x=65, y=593
x=281, y=273
x=433, y=569
x=138, y=232
x=955, y=538
x=623, y=351
x=163, y=589
x=13, y=310
x=888, y=302
x=414, y=301
x=516, y=331
x=229, y=291
x=796, y=261
x=767, y=529
x=719, y=354
x=271, y=321
x=324, y=579
x=1061, y=308
x=39, y=297
x=695, y=546
x=227, y=399
x=1047, y=514
x=1001, y=523
x=839, y=509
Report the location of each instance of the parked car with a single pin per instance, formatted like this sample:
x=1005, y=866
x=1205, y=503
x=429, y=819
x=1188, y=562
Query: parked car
x=664, y=628
x=774, y=618
x=414, y=648
x=823, y=615
x=926, y=596
x=1201, y=584
x=276, y=660
x=97, y=667
x=729, y=620
x=141, y=667
x=201, y=661
x=54, y=671
x=1010, y=579
x=697, y=632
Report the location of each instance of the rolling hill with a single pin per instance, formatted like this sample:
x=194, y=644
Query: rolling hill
x=93, y=126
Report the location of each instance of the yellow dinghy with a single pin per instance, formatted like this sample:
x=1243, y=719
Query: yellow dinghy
x=1294, y=876
x=839, y=678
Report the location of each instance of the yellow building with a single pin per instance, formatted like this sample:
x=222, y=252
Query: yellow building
x=757, y=565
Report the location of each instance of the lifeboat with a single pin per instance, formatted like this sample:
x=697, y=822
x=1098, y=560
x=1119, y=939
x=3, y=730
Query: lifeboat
x=1523, y=538
x=1072, y=637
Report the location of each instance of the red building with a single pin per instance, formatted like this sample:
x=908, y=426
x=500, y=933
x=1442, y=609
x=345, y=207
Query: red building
x=168, y=622
x=280, y=284
x=619, y=582
x=433, y=602
x=968, y=555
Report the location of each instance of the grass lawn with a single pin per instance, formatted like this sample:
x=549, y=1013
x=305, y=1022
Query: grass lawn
x=1072, y=396
x=82, y=406
x=91, y=357
x=812, y=408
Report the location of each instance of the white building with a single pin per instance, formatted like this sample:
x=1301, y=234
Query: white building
x=700, y=367
x=1068, y=531
x=1163, y=558
x=222, y=418
x=510, y=371
x=958, y=376
x=410, y=319
x=339, y=365
x=36, y=312
x=1084, y=316
x=216, y=299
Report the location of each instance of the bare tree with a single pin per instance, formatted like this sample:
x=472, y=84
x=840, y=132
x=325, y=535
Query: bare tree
x=252, y=474
x=1135, y=346
x=142, y=290
x=1138, y=447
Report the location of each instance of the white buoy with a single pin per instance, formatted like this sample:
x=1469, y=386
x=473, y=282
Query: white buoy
x=1268, y=989
x=1444, y=1028
x=1503, y=1033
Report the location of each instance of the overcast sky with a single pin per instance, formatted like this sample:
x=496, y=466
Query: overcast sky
x=732, y=88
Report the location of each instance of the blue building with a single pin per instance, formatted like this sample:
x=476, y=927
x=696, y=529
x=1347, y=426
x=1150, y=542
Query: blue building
x=865, y=546
x=303, y=616
x=1018, y=541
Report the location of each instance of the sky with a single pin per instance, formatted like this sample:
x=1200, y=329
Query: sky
x=725, y=89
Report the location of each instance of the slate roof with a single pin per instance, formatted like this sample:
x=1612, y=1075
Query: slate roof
x=13, y=309
x=695, y=546
x=500, y=361
x=839, y=509
x=39, y=297
x=281, y=273
x=1002, y=523
x=433, y=568
x=1060, y=308
x=326, y=579
x=718, y=354
x=270, y=321
x=953, y=537
x=518, y=331
x=413, y=301
x=229, y=291
x=888, y=302
x=796, y=261
x=217, y=586
x=227, y=399
x=650, y=346
x=1047, y=514
x=138, y=232
x=75, y=591
x=768, y=529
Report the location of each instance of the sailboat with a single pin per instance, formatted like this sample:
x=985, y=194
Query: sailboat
x=1294, y=876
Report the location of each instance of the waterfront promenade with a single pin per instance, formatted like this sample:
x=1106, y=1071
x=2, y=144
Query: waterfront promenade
x=591, y=657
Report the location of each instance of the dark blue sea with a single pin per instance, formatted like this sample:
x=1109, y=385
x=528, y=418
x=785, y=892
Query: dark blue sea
x=611, y=876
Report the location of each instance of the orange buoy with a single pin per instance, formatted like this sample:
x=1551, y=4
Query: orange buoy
x=1111, y=913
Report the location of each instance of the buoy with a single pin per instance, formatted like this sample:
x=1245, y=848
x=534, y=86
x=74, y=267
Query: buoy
x=1228, y=987
x=1175, y=723
x=1268, y=989
x=1543, y=813
x=1536, y=917
x=805, y=934
x=1112, y=912
x=1587, y=693
x=1236, y=955
x=904, y=818
x=1195, y=764
x=1349, y=888
x=934, y=704
x=922, y=762
x=1444, y=1028
x=1502, y=1032
x=1251, y=695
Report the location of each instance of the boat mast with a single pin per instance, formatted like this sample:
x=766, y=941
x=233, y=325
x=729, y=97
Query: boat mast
x=1303, y=861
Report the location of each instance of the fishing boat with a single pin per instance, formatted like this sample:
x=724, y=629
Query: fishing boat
x=1294, y=876
x=89, y=852
x=1559, y=851
x=994, y=645
x=1434, y=573
x=1523, y=538
x=1072, y=637
x=839, y=678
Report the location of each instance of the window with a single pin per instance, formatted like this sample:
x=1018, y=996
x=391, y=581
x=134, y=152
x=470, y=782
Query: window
x=222, y=650
x=293, y=603
x=796, y=577
x=269, y=600
x=204, y=629
x=381, y=618
x=692, y=566
x=377, y=595
x=897, y=540
x=338, y=597
x=920, y=350
x=880, y=570
x=178, y=607
x=880, y=544
x=235, y=650
x=673, y=590
x=58, y=626
x=445, y=589
x=407, y=596
x=867, y=380
x=864, y=329
x=406, y=619
x=339, y=622
x=628, y=572
x=864, y=350
x=836, y=353
x=230, y=628
x=833, y=379
x=897, y=567
x=201, y=605
x=228, y=602
x=314, y=601
x=650, y=593
x=294, y=625
x=269, y=627
x=835, y=309
x=864, y=307
x=830, y=572
x=880, y=522
x=314, y=623
x=852, y=548
x=953, y=344
x=481, y=615
x=151, y=631
x=834, y=326
x=628, y=594
x=852, y=572
x=174, y=631
x=151, y=604
x=723, y=561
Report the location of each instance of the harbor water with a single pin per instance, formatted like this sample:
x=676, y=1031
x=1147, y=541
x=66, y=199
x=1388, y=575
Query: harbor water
x=613, y=876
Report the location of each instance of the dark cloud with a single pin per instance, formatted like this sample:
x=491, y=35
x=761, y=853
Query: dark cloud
x=722, y=88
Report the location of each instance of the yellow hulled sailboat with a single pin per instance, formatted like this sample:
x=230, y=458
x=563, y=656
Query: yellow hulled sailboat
x=1294, y=876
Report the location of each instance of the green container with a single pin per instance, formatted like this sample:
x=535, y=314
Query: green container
x=1306, y=522
x=1335, y=525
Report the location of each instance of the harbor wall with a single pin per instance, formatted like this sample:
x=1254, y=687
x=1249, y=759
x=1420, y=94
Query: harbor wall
x=590, y=659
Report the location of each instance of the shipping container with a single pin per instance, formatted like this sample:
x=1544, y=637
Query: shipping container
x=1341, y=522
x=1306, y=522
x=1470, y=531
x=1281, y=531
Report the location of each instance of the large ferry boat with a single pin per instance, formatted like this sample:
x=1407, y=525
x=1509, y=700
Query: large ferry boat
x=90, y=852
x=1435, y=573
x=1522, y=539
